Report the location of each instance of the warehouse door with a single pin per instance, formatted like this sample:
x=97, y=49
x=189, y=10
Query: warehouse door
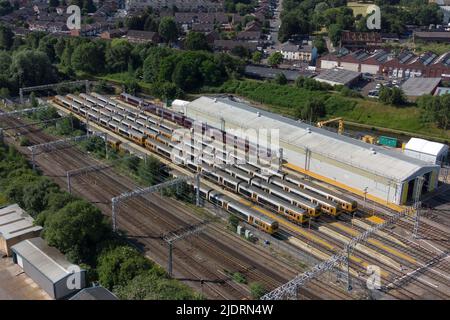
x=410, y=190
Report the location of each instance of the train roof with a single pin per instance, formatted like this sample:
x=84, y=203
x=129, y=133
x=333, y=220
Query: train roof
x=271, y=198
x=317, y=187
x=250, y=211
x=284, y=193
x=304, y=191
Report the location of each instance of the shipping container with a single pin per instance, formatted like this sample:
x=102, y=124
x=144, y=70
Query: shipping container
x=388, y=141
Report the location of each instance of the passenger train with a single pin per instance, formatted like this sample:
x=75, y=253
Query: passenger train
x=291, y=197
x=243, y=212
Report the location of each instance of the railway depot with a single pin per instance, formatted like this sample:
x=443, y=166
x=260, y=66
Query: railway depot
x=276, y=200
x=383, y=175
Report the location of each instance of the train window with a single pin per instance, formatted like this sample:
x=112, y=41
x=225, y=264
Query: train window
x=229, y=184
x=245, y=192
x=268, y=203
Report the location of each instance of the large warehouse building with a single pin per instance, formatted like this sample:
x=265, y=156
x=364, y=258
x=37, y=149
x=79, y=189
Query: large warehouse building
x=383, y=175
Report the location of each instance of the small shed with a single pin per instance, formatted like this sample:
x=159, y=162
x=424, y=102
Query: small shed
x=428, y=151
x=95, y=293
x=15, y=225
x=48, y=268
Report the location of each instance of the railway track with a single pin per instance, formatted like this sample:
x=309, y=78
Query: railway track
x=67, y=162
x=274, y=284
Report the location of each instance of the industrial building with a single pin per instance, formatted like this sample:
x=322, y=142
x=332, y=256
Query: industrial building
x=48, y=268
x=428, y=151
x=417, y=87
x=383, y=175
x=339, y=77
x=15, y=225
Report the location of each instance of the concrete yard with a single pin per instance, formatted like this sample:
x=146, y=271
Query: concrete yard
x=16, y=285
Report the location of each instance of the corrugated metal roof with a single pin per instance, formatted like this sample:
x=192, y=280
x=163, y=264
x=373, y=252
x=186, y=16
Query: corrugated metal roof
x=14, y=222
x=425, y=146
x=337, y=76
x=419, y=86
x=295, y=135
x=48, y=260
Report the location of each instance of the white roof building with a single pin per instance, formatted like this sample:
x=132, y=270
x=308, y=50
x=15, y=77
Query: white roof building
x=348, y=163
x=428, y=151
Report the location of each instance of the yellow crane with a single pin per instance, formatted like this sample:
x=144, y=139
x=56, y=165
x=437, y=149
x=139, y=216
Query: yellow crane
x=320, y=124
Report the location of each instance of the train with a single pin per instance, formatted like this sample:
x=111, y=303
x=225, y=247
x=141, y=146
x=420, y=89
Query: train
x=243, y=212
x=184, y=121
x=146, y=133
x=292, y=197
x=283, y=207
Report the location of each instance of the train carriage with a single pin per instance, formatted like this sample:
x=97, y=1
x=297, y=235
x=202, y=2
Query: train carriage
x=282, y=207
x=239, y=174
x=123, y=130
x=104, y=120
x=113, y=124
x=312, y=209
x=137, y=137
x=326, y=206
x=127, y=123
x=345, y=203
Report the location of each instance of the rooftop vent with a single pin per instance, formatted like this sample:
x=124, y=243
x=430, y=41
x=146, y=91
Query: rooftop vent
x=258, y=114
x=308, y=130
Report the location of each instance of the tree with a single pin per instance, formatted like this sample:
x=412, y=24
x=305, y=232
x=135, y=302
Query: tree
x=5, y=7
x=88, y=57
x=118, y=55
x=334, y=32
x=210, y=73
x=394, y=96
x=120, y=265
x=257, y=57
x=153, y=285
x=76, y=230
x=196, y=41
x=32, y=68
x=275, y=59
x=313, y=109
x=53, y=3
x=5, y=62
x=186, y=74
x=35, y=195
x=168, y=29
x=6, y=37
x=281, y=79
x=320, y=44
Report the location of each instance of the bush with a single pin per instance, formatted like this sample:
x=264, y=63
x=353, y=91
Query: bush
x=257, y=290
x=116, y=267
x=76, y=229
x=153, y=285
x=239, y=277
x=24, y=142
